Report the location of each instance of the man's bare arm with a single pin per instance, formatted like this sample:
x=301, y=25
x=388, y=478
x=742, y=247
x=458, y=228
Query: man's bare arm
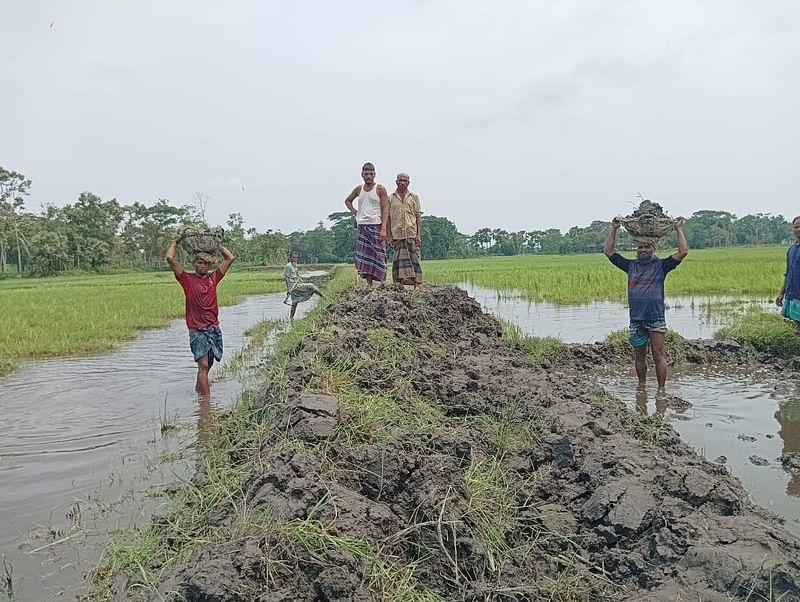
x=352, y=197
x=227, y=260
x=170, y=257
x=611, y=241
x=683, y=246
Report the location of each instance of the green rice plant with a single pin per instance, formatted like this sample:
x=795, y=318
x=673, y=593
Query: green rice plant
x=535, y=349
x=767, y=332
x=583, y=278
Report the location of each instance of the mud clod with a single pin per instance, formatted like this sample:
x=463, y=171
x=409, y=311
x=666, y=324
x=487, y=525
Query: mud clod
x=426, y=459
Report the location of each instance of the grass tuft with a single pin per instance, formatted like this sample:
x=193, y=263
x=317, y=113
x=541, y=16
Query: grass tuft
x=535, y=349
x=765, y=332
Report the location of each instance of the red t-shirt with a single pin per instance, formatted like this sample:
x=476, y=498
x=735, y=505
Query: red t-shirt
x=201, y=298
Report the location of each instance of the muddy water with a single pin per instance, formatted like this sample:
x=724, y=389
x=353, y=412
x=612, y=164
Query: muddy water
x=736, y=415
x=593, y=321
x=743, y=420
x=82, y=444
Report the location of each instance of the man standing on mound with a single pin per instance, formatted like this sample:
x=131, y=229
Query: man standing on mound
x=646, y=275
x=202, y=311
x=789, y=297
x=404, y=230
x=371, y=216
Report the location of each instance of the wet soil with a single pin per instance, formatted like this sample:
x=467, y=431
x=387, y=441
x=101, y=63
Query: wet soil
x=426, y=455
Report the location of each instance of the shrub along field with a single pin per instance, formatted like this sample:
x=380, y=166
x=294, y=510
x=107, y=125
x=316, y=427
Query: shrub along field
x=747, y=271
x=72, y=315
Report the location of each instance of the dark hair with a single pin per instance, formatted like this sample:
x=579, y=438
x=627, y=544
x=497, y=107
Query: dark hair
x=294, y=253
x=795, y=219
x=368, y=166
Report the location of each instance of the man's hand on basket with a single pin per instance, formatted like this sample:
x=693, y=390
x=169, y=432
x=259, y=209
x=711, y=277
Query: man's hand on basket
x=679, y=221
x=616, y=222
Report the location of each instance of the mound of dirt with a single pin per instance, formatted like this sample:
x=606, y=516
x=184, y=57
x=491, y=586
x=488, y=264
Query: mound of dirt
x=414, y=455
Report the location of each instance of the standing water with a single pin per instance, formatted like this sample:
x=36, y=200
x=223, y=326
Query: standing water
x=82, y=443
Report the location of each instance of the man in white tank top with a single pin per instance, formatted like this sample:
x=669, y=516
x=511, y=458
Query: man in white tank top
x=372, y=217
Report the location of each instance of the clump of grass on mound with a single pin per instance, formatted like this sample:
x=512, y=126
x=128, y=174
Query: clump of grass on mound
x=536, y=349
x=767, y=332
x=674, y=346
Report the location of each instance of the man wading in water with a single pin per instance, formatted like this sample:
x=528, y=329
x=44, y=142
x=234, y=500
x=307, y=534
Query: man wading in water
x=646, y=275
x=202, y=311
x=789, y=296
x=371, y=216
x=296, y=289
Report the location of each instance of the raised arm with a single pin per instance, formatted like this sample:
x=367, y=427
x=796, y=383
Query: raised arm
x=683, y=246
x=170, y=257
x=384, y=210
x=611, y=241
x=348, y=202
x=227, y=260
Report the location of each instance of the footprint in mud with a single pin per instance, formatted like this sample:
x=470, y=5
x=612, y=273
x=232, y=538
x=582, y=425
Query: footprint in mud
x=746, y=438
x=758, y=460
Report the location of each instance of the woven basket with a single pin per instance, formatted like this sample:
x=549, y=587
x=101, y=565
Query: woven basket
x=648, y=226
x=200, y=240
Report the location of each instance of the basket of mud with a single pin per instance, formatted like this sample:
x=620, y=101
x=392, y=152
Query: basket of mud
x=196, y=239
x=648, y=222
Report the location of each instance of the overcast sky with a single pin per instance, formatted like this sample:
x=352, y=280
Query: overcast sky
x=516, y=114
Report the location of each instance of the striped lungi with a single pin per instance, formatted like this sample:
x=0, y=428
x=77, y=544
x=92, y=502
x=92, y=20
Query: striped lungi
x=406, y=268
x=370, y=252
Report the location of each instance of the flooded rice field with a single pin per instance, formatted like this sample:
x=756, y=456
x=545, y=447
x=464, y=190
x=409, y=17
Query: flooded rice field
x=745, y=420
x=83, y=444
x=594, y=320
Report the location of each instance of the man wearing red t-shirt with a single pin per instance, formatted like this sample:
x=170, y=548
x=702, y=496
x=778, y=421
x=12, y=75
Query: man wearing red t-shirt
x=202, y=311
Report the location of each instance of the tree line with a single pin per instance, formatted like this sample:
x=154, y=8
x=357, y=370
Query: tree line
x=93, y=234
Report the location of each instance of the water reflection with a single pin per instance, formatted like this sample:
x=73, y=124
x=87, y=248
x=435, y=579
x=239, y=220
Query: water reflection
x=788, y=417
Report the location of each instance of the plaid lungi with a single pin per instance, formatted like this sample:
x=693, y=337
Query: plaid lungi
x=406, y=268
x=370, y=252
x=206, y=342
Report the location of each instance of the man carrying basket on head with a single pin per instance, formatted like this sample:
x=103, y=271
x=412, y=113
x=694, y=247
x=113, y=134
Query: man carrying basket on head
x=646, y=275
x=200, y=289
